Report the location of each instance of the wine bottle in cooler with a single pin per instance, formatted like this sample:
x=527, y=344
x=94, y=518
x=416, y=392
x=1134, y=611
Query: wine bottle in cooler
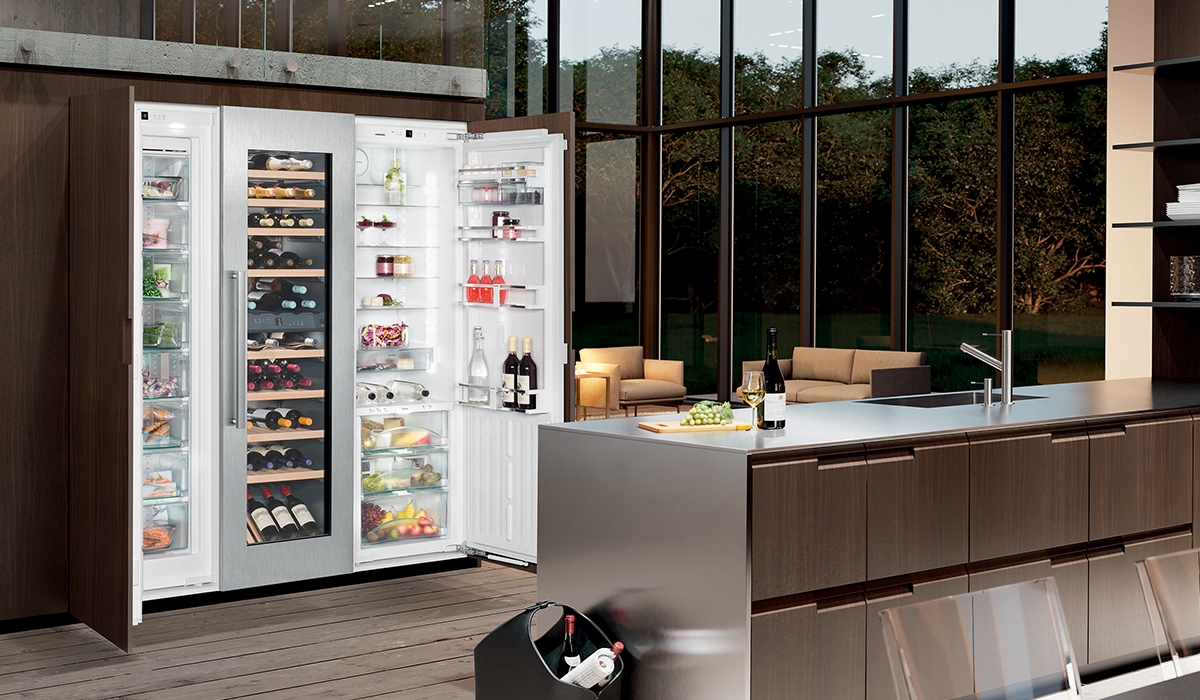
x=279, y=285
x=308, y=524
x=268, y=418
x=260, y=221
x=526, y=379
x=477, y=373
x=299, y=301
x=262, y=518
x=410, y=392
x=770, y=413
x=257, y=462
x=296, y=456
x=569, y=656
x=295, y=260
x=508, y=381
x=264, y=340
x=498, y=281
x=363, y=394
x=296, y=341
x=279, y=510
x=304, y=220
x=298, y=419
x=268, y=301
x=270, y=458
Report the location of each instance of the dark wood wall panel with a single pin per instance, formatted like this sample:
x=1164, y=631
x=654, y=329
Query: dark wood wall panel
x=34, y=198
x=33, y=350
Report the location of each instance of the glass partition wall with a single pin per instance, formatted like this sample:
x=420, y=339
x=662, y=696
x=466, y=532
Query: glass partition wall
x=903, y=174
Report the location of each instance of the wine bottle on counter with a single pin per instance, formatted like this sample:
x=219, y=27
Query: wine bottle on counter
x=508, y=375
x=260, y=221
x=770, y=413
x=268, y=418
x=569, y=658
x=262, y=518
x=526, y=379
x=308, y=524
x=411, y=392
x=279, y=510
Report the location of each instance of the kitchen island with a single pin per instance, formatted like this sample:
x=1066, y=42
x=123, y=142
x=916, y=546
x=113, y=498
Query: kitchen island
x=754, y=565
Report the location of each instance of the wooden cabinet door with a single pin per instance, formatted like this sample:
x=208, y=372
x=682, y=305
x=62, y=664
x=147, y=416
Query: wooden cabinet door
x=916, y=506
x=1070, y=572
x=1141, y=475
x=1029, y=490
x=879, y=674
x=1118, y=618
x=813, y=651
x=808, y=524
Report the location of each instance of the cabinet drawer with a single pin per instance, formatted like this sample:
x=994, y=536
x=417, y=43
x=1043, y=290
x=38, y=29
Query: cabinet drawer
x=879, y=672
x=1141, y=476
x=1029, y=491
x=808, y=524
x=1070, y=574
x=916, y=507
x=814, y=651
x=1119, y=621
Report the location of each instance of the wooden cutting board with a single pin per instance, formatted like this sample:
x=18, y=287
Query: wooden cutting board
x=673, y=426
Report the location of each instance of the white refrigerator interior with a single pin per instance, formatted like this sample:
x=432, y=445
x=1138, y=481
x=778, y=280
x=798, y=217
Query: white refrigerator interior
x=174, y=475
x=445, y=467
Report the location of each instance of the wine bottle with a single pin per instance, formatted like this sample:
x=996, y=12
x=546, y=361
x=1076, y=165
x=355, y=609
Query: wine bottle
x=477, y=373
x=297, y=261
x=295, y=341
x=569, y=658
x=286, y=220
x=308, y=524
x=498, y=281
x=269, y=301
x=261, y=192
x=295, y=455
x=252, y=344
x=298, y=419
x=276, y=455
x=301, y=192
x=268, y=418
x=770, y=413
x=616, y=651
x=283, y=516
x=363, y=393
x=279, y=286
x=270, y=459
x=262, y=518
x=304, y=221
x=407, y=391
x=264, y=340
x=382, y=393
x=265, y=161
x=508, y=381
x=280, y=191
x=526, y=379
x=257, y=462
x=299, y=301
x=265, y=260
x=260, y=221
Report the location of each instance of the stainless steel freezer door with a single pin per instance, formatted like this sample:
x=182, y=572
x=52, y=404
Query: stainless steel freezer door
x=244, y=130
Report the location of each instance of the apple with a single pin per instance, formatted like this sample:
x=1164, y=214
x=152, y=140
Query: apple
x=429, y=530
x=395, y=533
x=372, y=536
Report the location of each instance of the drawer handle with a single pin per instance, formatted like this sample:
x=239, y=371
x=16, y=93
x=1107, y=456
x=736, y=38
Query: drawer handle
x=1107, y=431
x=902, y=454
x=1070, y=435
x=839, y=603
x=855, y=459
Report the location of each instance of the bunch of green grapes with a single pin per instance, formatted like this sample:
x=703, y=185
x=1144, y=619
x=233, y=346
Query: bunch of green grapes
x=708, y=413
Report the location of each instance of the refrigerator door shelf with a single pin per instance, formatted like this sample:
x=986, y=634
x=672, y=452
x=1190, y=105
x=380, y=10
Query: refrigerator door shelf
x=401, y=409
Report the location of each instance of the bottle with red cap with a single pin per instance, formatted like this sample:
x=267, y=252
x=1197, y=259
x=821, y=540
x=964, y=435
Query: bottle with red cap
x=569, y=658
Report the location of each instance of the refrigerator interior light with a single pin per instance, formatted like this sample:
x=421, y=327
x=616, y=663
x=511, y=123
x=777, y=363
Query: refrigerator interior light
x=177, y=125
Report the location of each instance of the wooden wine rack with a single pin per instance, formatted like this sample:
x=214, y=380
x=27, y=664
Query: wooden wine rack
x=285, y=395
x=271, y=476
x=284, y=175
x=259, y=434
x=290, y=272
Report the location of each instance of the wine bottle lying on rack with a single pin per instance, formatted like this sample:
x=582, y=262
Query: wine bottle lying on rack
x=256, y=462
x=263, y=161
x=292, y=456
x=293, y=340
x=268, y=301
x=283, y=516
x=407, y=391
x=269, y=456
x=260, y=221
x=268, y=418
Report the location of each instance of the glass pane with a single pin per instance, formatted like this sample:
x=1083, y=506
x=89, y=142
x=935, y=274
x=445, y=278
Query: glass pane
x=258, y=24
x=768, y=48
x=310, y=26
x=405, y=30
x=210, y=22
x=1060, y=193
x=855, y=50
x=516, y=60
x=470, y=42
x=952, y=236
x=606, y=235
x=952, y=44
x=691, y=38
x=168, y=22
x=689, y=256
x=601, y=51
x=1061, y=38
x=854, y=195
x=767, y=287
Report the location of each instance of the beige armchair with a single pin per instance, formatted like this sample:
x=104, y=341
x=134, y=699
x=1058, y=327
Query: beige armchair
x=633, y=380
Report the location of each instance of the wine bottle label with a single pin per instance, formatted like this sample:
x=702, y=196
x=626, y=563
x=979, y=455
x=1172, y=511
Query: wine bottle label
x=262, y=519
x=303, y=517
x=523, y=386
x=510, y=382
x=773, y=407
x=282, y=516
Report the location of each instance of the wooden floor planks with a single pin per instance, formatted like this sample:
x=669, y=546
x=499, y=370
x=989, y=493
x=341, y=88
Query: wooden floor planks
x=410, y=637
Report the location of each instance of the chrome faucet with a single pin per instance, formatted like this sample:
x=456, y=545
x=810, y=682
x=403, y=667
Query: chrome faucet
x=1004, y=364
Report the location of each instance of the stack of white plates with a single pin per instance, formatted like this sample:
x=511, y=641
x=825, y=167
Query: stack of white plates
x=1188, y=206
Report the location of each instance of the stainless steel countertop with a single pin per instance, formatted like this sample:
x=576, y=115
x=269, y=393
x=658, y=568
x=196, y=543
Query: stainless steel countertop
x=848, y=422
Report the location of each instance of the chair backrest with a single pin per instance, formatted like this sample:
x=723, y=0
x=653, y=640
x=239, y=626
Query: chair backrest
x=1007, y=642
x=630, y=358
x=1171, y=584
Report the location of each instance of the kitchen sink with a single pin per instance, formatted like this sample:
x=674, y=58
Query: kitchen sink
x=962, y=398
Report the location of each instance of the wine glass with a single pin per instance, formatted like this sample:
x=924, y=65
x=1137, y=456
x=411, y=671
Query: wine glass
x=754, y=390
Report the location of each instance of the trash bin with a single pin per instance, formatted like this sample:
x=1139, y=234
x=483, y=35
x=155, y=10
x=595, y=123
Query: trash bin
x=511, y=665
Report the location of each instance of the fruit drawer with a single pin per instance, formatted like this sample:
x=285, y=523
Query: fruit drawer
x=383, y=476
x=403, y=516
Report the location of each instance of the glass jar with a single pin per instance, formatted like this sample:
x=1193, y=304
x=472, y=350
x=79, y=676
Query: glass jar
x=403, y=266
x=498, y=218
x=384, y=266
x=512, y=228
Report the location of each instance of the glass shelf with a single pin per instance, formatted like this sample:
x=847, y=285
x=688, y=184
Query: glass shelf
x=388, y=409
x=488, y=407
x=398, y=246
x=289, y=272
x=398, y=277
x=178, y=250
x=394, y=307
x=413, y=451
x=164, y=501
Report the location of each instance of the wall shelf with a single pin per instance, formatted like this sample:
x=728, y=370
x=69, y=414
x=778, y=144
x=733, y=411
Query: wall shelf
x=1167, y=66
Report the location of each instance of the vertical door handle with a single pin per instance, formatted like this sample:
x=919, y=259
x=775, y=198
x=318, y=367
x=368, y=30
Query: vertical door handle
x=237, y=393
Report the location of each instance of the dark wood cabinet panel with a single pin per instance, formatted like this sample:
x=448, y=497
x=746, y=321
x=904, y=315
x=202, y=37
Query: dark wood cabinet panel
x=1029, y=490
x=814, y=651
x=101, y=405
x=916, y=506
x=808, y=524
x=1070, y=572
x=879, y=674
x=1119, y=621
x=1141, y=475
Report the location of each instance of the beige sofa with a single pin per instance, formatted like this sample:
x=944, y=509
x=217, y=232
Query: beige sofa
x=837, y=374
x=633, y=380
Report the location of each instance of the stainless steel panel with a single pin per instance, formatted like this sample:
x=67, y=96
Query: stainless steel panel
x=654, y=536
x=243, y=129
